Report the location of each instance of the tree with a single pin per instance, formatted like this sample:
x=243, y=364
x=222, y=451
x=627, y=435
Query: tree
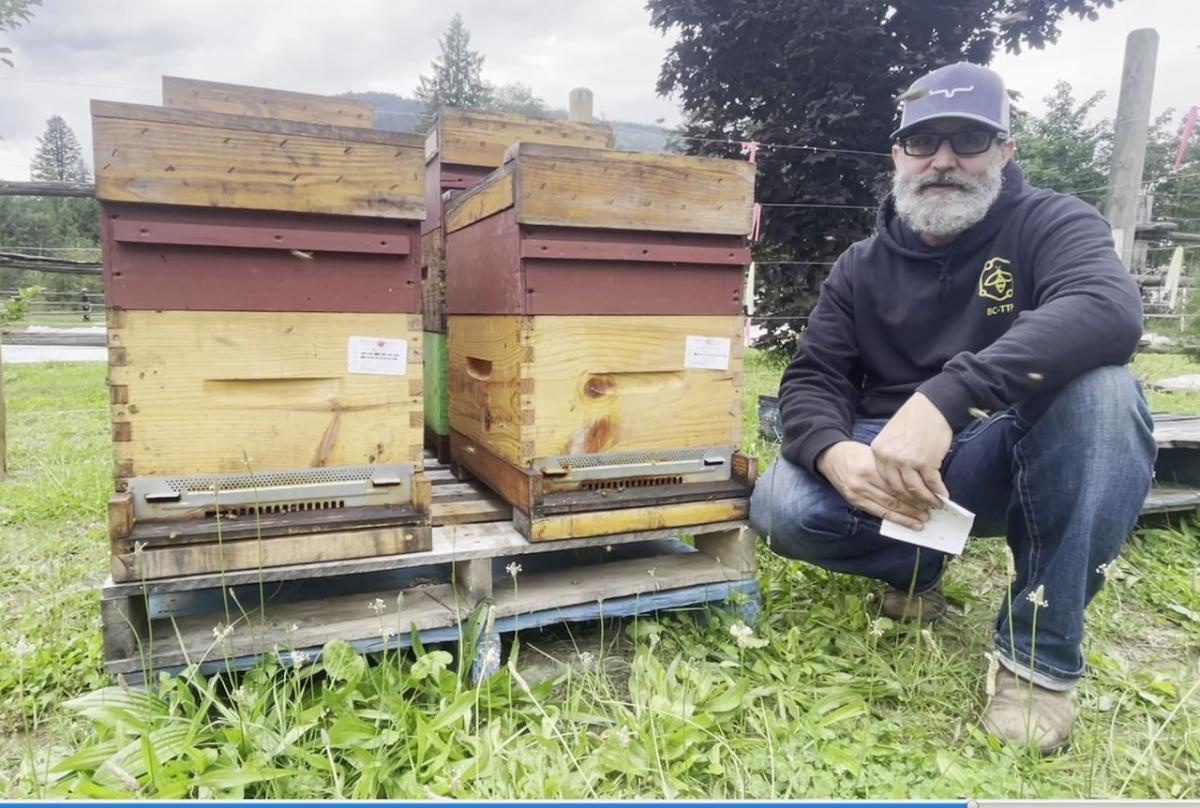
x=1063, y=149
x=12, y=14
x=59, y=157
x=518, y=98
x=823, y=73
x=456, y=79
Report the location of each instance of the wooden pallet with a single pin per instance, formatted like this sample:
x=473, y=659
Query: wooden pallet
x=164, y=624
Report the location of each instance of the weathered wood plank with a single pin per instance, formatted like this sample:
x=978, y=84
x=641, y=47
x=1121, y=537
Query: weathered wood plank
x=238, y=99
x=305, y=624
x=280, y=551
x=572, y=187
x=177, y=157
x=487, y=198
x=600, y=582
x=210, y=392
x=602, y=523
x=1181, y=433
x=471, y=138
x=450, y=543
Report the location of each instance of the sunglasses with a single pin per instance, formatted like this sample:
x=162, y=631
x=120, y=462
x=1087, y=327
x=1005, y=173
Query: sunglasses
x=965, y=143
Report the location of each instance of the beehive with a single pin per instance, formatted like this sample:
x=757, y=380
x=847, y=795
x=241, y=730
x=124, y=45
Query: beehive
x=265, y=357
x=462, y=148
x=594, y=341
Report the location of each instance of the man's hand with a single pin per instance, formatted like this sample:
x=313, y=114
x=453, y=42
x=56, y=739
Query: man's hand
x=850, y=467
x=909, y=453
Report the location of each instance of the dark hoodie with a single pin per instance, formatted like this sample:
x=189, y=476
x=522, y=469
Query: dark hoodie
x=1020, y=304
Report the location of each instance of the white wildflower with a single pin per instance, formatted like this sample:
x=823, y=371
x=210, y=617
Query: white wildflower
x=127, y=779
x=513, y=569
x=1038, y=597
x=293, y=628
x=1010, y=568
x=624, y=736
x=879, y=625
x=992, y=671
x=378, y=606
x=388, y=633
x=139, y=547
x=23, y=649
x=586, y=660
x=927, y=636
x=222, y=631
x=653, y=640
x=491, y=658
x=239, y=695
x=744, y=636
x=1110, y=570
x=299, y=659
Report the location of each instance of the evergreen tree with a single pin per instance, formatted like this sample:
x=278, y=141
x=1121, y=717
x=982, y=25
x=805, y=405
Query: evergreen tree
x=456, y=79
x=59, y=157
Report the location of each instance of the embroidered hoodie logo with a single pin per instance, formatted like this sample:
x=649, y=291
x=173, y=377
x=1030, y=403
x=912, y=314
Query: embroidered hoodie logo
x=996, y=283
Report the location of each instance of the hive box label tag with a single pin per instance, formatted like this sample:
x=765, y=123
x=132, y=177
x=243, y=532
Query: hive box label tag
x=378, y=356
x=706, y=353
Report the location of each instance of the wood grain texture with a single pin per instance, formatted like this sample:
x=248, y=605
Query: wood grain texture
x=239, y=99
x=490, y=539
x=206, y=390
x=471, y=138
x=626, y=520
x=489, y=197
x=199, y=559
x=177, y=157
x=632, y=190
x=534, y=387
x=433, y=280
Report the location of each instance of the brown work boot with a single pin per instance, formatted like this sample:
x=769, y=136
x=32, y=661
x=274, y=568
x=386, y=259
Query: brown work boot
x=1021, y=712
x=924, y=607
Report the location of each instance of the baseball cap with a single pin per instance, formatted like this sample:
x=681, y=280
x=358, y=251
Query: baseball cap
x=961, y=90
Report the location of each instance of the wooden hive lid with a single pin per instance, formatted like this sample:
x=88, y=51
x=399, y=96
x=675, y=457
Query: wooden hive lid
x=262, y=102
x=185, y=157
x=473, y=138
x=574, y=187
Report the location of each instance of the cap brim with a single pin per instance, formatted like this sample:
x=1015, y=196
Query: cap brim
x=962, y=116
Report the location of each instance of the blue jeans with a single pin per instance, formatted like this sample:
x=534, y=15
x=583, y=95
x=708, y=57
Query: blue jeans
x=1063, y=476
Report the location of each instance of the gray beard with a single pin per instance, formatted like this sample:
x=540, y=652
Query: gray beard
x=946, y=214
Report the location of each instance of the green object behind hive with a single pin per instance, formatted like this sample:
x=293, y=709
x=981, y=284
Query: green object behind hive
x=437, y=403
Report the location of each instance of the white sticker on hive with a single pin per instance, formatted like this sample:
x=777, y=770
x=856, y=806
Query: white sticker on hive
x=378, y=356
x=706, y=353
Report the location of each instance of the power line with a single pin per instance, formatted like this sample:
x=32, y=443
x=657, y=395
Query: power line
x=764, y=145
x=83, y=84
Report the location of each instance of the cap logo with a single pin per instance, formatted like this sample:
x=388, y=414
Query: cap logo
x=950, y=93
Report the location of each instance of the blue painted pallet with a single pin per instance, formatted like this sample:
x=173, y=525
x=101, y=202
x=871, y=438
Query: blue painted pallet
x=279, y=597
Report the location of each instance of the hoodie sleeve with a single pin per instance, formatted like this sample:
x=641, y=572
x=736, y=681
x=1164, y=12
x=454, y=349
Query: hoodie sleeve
x=820, y=387
x=1087, y=312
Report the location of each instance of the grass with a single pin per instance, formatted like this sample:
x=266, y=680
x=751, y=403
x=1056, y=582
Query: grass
x=835, y=702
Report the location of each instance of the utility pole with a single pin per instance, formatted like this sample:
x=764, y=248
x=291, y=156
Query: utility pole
x=580, y=108
x=1129, y=142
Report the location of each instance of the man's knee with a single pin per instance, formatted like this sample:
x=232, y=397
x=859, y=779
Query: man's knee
x=797, y=513
x=1106, y=394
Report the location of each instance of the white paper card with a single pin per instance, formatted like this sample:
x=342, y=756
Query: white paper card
x=946, y=530
x=377, y=356
x=706, y=353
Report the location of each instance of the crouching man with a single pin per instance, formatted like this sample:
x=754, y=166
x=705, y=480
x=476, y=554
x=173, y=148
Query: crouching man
x=971, y=349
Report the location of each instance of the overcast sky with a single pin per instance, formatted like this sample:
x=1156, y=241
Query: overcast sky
x=74, y=50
